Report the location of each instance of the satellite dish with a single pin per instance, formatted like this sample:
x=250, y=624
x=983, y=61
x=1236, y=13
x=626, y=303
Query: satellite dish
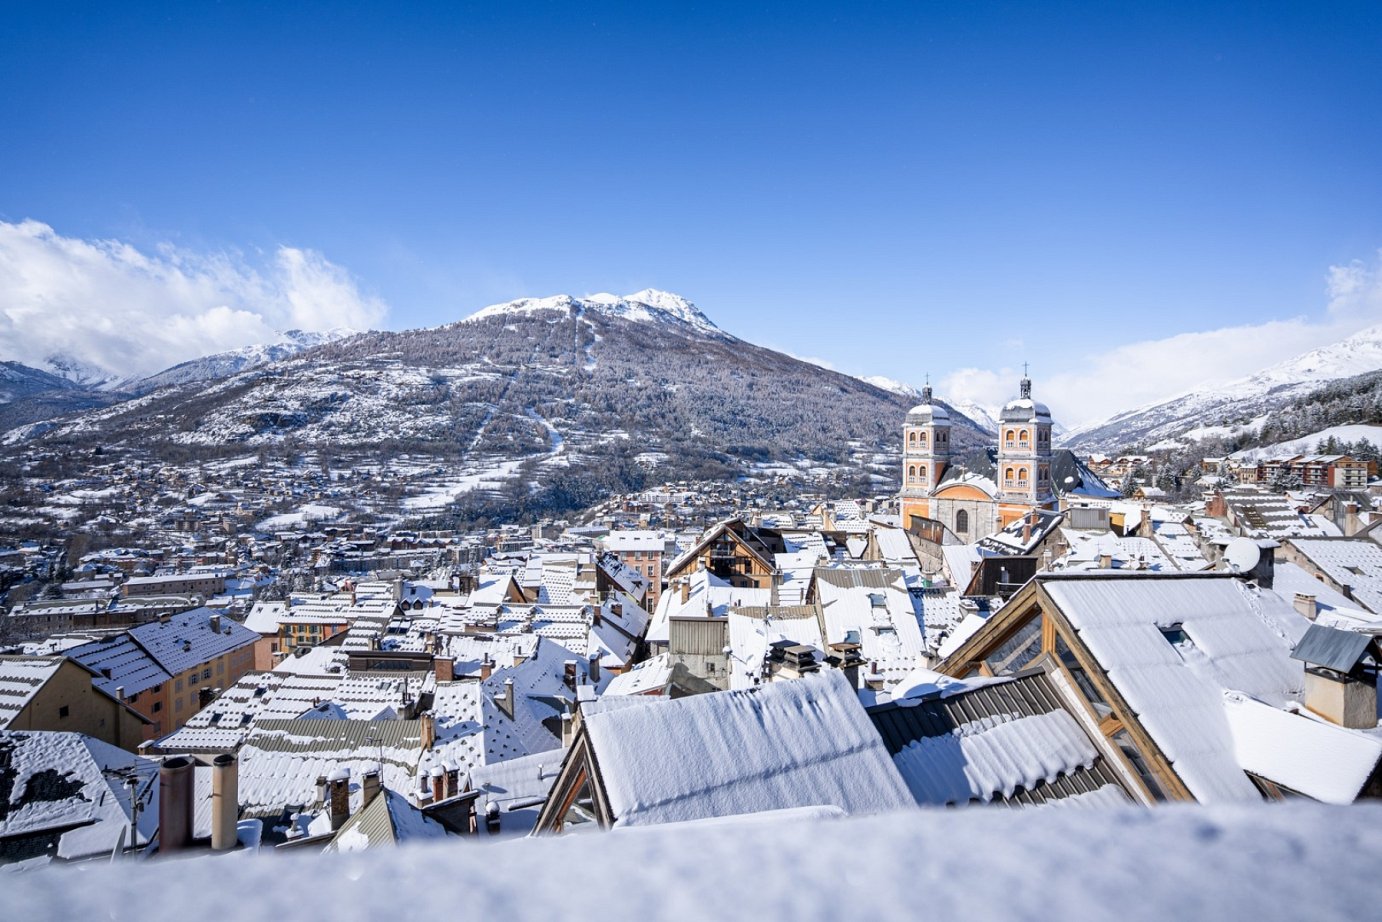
x=1242, y=555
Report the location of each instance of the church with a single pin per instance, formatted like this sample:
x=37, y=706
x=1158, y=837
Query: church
x=972, y=504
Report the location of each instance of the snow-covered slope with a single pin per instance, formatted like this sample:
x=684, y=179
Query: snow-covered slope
x=646, y=306
x=1220, y=409
x=224, y=364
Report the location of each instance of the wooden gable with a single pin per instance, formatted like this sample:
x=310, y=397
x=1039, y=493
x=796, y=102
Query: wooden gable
x=1030, y=632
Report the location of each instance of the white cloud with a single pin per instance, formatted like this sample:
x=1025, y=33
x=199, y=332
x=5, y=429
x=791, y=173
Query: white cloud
x=128, y=312
x=1088, y=388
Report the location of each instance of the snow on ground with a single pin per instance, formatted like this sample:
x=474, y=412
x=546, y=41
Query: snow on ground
x=489, y=476
x=1308, y=444
x=311, y=512
x=1286, y=861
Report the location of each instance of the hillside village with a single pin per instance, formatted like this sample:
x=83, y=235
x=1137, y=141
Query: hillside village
x=273, y=653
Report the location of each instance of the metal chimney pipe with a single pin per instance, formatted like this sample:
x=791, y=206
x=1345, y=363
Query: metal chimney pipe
x=174, y=804
x=225, y=803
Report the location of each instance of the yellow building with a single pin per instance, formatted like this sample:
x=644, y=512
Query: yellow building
x=938, y=494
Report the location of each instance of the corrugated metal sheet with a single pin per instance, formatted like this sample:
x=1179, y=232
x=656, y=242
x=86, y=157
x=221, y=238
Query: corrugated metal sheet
x=698, y=636
x=1035, y=758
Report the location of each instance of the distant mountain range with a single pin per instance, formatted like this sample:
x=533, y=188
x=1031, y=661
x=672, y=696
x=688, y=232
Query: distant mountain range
x=1246, y=404
x=572, y=393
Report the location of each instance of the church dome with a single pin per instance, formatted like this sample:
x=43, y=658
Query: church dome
x=924, y=414
x=927, y=413
x=1024, y=409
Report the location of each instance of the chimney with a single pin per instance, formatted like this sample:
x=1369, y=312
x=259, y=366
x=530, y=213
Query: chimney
x=339, y=781
x=120, y=693
x=1105, y=561
x=1306, y=605
x=322, y=791
x=568, y=734
x=438, y=776
x=445, y=667
x=175, y=789
x=225, y=802
x=685, y=591
x=453, y=780
x=1026, y=530
x=1351, y=524
x=215, y=622
x=486, y=668
x=369, y=786
x=569, y=674
x=593, y=670
x=492, y=817
x=429, y=729
x=505, y=701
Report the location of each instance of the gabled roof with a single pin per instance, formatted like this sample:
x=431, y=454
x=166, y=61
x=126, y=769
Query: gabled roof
x=804, y=742
x=21, y=679
x=386, y=820
x=1237, y=638
x=760, y=543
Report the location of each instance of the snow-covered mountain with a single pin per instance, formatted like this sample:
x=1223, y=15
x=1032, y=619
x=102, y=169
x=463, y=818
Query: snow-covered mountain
x=224, y=364
x=646, y=306
x=33, y=394
x=79, y=372
x=19, y=381
x=1222, y=409
x=557, y=400
x=892, y=385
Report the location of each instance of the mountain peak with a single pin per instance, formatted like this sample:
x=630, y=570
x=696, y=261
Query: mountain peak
x=647, y=306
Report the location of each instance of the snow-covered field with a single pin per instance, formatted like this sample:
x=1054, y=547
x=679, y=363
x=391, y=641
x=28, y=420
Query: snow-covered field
x=1289, y=861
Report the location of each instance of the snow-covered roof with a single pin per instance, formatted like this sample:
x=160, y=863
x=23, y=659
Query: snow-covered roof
x=1299, y=752
x=1353, y=562
x=21, y=678
x=1236, y=637
x=796, y=743
x=53, y=780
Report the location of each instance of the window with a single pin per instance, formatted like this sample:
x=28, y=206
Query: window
x=158, y=706
x=921, y=473
x=911, y=472
x=206, y=673
x=1123, y=740
x=63, y=711
x=962, y=522
x=912, y=437
x=1018, y=650
x=922, y=439
x=177, y=686
x=1082, y=680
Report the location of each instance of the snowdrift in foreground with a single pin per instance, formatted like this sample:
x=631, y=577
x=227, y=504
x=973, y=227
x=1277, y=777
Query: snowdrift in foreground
x=1289, y=861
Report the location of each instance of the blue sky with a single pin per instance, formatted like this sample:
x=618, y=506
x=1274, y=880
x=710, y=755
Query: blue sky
x=895, y=188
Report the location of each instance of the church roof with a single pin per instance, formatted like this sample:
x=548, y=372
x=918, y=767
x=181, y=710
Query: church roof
x=928, y=411
x=1024, y=409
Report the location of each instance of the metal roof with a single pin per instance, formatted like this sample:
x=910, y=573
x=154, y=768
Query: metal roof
x=1027, y=696
x=1331, y=648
